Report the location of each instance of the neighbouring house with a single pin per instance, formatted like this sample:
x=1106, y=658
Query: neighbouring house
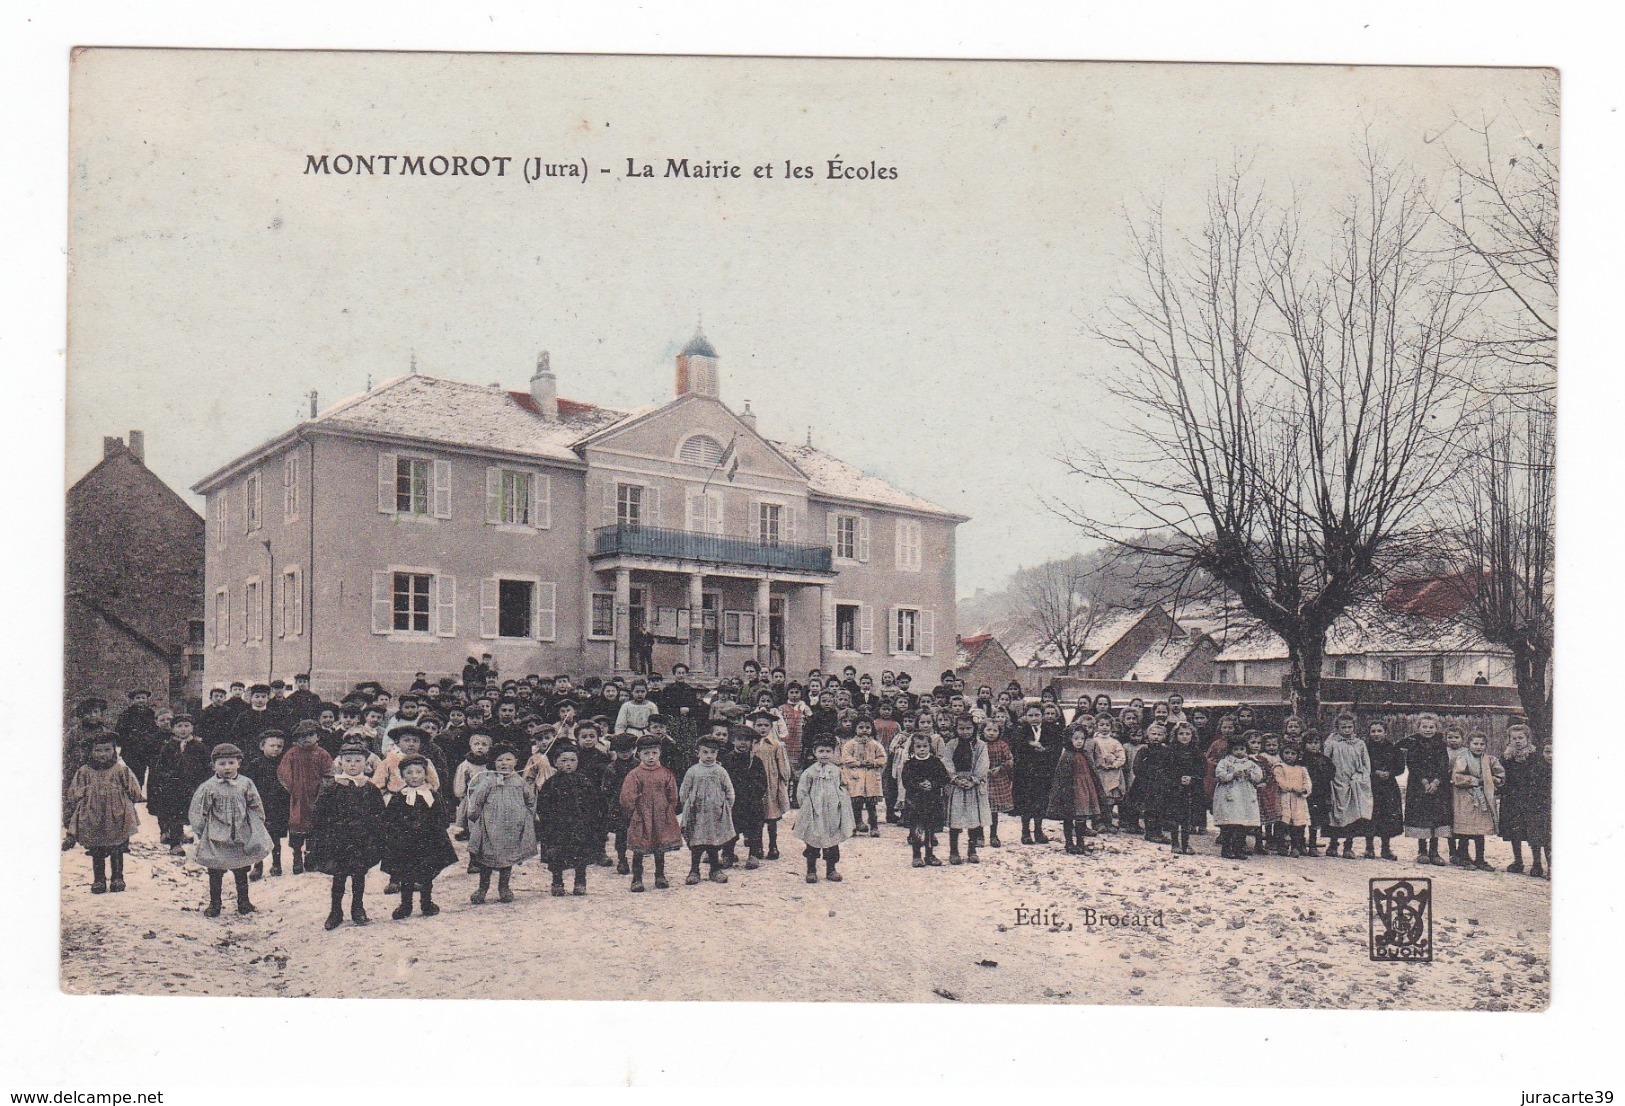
x=430, y=520
x=1413, y=635
x=1139, y=645
x=983, y=659
x=134, y=582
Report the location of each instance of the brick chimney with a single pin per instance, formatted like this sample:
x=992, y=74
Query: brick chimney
x=111, y=445
x=138, y=445
x=747, y=416
x=544, y=388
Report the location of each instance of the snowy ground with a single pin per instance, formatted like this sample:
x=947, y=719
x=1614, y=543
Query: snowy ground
x=1268, y=932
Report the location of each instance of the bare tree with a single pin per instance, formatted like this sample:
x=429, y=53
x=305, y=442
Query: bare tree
x=1063, y=603
x=1290, y=401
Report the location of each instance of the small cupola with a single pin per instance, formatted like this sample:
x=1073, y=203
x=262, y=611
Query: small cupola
x=544, y=388
x=697, y=367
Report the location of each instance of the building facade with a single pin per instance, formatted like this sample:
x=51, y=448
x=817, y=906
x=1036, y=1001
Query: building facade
x=429, y=521
x=134, y=576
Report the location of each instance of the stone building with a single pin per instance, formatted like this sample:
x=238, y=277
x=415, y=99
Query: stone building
x=134, y=582
x=431, y=520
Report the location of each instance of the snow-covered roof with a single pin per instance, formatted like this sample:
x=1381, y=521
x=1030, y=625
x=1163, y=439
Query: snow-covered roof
x=1351, y=638
x=1165, y=655
x=831, y=476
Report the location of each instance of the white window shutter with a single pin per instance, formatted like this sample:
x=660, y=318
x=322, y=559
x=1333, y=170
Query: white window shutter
x=488, y=607
x=298, y=601
x=694, y=522
x=383, y=610
x=792, y=524
x=829, y=526
x=445, y=596
x=927, y=633
x=281, y=588
x=248, y=506
x=493, y=494
x=259, y=615
x=754, y=523
x=547, y=612
x=442, y=489
x=609, y=517
x=540, y=497
x=651, y=507
x=386, y=485
x=899, y=549
x=892, y=632
x=866, y=628
x=713, y=513
x=259, y=498
x=863, y=539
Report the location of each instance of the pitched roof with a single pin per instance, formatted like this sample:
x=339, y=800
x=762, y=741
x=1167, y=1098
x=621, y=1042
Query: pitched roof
x=831, y=476
x=1348, y=638
x=1431, y=597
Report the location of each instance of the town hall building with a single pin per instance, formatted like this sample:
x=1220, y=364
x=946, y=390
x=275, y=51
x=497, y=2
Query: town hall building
x=429, y=520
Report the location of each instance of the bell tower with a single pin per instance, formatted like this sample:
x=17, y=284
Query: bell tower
x=697, y=367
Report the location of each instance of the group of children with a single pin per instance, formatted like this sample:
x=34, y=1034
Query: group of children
x=520, y=776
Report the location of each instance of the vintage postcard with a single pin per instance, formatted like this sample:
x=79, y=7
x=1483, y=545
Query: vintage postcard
x=809, y=530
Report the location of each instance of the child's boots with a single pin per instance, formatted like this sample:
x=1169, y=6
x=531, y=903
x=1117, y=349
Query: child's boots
x=405, y=909
x=637, y=874
x=812, y=869
x=427, y=906
x=557, y=890
x=830, y=873
x=504, y=887
x=580, y=885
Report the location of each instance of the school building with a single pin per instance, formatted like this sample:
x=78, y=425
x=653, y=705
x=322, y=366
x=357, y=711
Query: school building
x=431, y=520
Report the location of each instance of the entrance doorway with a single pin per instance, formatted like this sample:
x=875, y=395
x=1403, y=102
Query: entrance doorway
x=710, y=633
x=776, y=606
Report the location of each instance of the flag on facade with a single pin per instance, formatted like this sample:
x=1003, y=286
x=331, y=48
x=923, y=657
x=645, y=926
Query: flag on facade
x=729, y=461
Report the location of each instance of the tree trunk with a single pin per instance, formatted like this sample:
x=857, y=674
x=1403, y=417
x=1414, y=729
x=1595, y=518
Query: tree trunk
x=1529, y=668
x=1303, y=683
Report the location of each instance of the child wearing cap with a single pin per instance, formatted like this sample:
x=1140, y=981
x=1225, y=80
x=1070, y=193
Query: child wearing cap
x=181, y=766
x=825, y=817
x=346, y=832
x=749, y=778
x=775, y=757
x=416, y=849
x=228, y=824
x=301, y=771
x=707, y=800
x=623, y=753
x=648, y=798
x=567, y=821
x=263, y=770
x=501, y=809
x=409, y=742
x=101, y=812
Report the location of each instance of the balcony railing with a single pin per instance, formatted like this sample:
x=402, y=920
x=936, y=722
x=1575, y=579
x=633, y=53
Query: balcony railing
x=653, y=541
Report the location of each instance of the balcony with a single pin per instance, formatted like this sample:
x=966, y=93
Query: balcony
x=681, y=545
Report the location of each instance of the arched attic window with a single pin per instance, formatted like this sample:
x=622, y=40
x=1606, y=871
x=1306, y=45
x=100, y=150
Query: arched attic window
x=701, y=449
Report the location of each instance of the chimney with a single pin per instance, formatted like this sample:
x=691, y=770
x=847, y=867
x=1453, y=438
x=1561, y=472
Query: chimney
x=111, y=445
x=138, y=445
x=544, y=388
x=748, y=417
x=313, y=403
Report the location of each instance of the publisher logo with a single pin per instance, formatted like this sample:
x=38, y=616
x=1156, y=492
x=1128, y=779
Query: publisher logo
x=1402, y=919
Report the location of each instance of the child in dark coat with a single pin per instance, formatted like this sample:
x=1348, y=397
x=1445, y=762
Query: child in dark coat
x=1184, y=801
x=301, y=772
x=181, y=765
x=1076, y=796
x=262, y=769
x=415, y=846
x=567, y=820
x=1526, y=801
x=101, y=811
x=1320, y=790
x=623, y=758
x=1153, y=781
x=925, y=780
x=749, y=777
x=346, y=833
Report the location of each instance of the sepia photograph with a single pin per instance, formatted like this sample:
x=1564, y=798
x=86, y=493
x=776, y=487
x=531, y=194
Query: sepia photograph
x=793, y=530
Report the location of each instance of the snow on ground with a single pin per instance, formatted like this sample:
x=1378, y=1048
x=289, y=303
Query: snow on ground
x=1267, y=932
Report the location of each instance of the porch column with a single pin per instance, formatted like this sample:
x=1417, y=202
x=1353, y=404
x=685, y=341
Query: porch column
x=696, y=604
x=826, y=635
x=764, y=595
x=623, y=619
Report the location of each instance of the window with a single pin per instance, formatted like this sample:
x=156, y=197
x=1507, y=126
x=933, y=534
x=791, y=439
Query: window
x=738, y=627
x=603, y=615
x=251, y=502
x=913, y=632
x=908, y=545
x=846, y=627
x=704, y=514
x=514, y=497
x=414, y=487
x=290, y=488
x=253, y=612
x=770, y=523
x=1223, y=673
x=518, y=607
x=849, y=535
x=514, y=601
x=1394, y=669
x=1436, y=670
x=628, y=505
x=194, y=632
x=701, y=449
x=293, y=602
x=414, y=601
x=218, y=502
x=222, y=618
x=1340, y=667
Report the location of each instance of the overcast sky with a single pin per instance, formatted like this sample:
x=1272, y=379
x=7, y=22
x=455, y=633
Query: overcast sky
x=931, y=328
